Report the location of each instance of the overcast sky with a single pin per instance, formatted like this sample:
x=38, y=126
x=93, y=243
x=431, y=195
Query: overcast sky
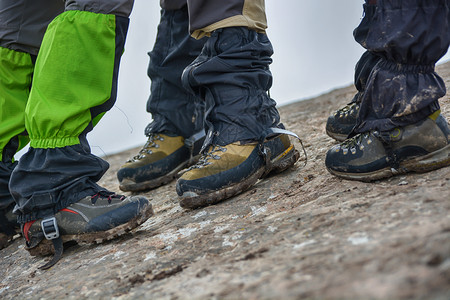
x=314, y=52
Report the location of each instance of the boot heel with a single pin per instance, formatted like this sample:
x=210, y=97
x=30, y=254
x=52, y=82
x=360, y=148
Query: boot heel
x=429, y=162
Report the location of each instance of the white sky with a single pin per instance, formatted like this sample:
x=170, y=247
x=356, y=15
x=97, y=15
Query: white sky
x=314, y=52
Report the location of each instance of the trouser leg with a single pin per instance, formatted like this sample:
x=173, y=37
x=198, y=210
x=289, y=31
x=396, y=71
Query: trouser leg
x=74, y=84
x=16, y=69
x=232, y=72
x=409, y=37
x=369, y=59
x=363, y=69
x=174, y=110
x=233, y=76
x=22, y=25
x=205, y=16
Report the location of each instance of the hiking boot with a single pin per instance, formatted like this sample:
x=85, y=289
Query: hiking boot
x=158, y=162
x=373, y=155
x=93, y=219
x=226, y=171
x=340, y=124
x=8, y=226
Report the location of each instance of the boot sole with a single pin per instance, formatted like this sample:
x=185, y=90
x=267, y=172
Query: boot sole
x=432, y=161
x=280, y=163
x=128, y=185
x=46, y=246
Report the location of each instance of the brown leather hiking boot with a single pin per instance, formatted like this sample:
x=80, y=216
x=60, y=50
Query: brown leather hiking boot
x=224, y=171
x=157, y=163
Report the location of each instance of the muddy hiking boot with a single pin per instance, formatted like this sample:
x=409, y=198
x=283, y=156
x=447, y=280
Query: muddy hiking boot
x=158, y=162
x=94, y=219
x=369, y=156
x=224, y=171
x=340, y=124
x=8, y=226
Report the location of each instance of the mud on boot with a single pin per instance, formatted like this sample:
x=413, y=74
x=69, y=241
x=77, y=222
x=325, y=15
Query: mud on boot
x=93, y=219
x=224, y=171
x=159, y=161
x=374, y=155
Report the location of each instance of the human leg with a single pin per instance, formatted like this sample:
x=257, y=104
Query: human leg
x=74, y=84
x=340, y=123
x=21, y=32
x=15, y=81
x=245, y=138
x=399, y=128
x=176, y=132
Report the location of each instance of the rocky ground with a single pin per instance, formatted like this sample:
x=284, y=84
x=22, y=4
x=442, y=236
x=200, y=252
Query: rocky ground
x=299, y=234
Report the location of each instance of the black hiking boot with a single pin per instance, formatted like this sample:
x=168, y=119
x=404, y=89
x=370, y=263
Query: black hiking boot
x=8, y=226
x=369, y=156
x=225, y=171
x=158, y=162
x=340, y=124
x=95, y=219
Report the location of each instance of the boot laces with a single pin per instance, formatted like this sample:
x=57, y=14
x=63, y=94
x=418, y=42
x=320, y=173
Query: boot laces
x=356, y=141
x=348, y=109
x=151, y=143
x=106, y=195
x=206, y=157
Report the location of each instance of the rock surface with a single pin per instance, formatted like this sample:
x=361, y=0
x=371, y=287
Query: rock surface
x=299, y=234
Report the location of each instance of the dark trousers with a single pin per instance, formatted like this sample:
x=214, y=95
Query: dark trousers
x=174, y=110
x=405, y=39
